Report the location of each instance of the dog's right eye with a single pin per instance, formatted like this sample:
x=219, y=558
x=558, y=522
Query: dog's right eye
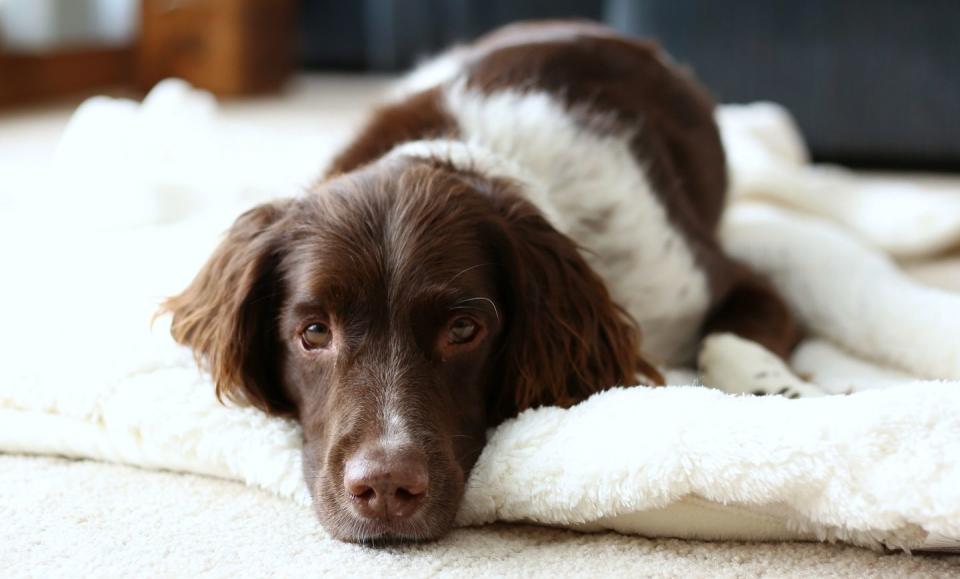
x=316, y=336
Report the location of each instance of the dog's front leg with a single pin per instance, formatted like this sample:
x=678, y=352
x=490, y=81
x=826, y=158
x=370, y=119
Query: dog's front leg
x=739, y=366
x=749, y=337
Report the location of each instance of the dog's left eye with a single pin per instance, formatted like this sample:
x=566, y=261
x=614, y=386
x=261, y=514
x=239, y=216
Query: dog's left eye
x=462, y=330
x=316, y=336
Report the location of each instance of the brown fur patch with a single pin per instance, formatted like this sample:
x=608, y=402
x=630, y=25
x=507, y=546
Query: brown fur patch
x=420, y=116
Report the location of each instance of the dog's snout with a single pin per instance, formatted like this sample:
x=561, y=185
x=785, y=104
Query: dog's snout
x=386, y=484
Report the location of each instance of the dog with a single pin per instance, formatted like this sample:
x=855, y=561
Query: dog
x=494, y=239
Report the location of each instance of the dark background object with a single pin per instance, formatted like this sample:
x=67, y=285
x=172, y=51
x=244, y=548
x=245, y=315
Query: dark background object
x=871, y=82
x=392, y=35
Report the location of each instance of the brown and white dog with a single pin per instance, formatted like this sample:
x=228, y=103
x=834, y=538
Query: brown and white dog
x=492, y=240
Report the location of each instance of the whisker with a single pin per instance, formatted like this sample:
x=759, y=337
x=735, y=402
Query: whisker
x=496, y=311
x=472, y=267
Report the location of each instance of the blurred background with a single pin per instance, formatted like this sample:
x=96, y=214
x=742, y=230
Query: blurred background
x=872, y=83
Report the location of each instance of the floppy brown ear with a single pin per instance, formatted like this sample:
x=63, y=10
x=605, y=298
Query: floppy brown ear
x=227, y=315
x=567, y=339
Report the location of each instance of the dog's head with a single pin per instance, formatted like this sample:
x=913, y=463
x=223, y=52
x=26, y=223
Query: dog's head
x=398, y=312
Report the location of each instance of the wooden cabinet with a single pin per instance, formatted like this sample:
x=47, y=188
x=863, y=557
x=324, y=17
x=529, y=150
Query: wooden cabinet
x=229, y=47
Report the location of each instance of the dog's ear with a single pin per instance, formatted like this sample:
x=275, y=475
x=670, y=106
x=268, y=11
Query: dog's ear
x=228, y=313
x=566, y=337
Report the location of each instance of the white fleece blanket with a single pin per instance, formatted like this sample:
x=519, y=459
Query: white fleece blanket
x=141, y=192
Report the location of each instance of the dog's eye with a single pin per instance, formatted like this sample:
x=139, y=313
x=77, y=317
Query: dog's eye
x=462, y=330
x=316, y=336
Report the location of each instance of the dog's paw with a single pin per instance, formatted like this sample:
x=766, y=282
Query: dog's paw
x=794, y=391
x=732, y=364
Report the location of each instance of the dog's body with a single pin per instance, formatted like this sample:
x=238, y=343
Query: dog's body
x=483, y=246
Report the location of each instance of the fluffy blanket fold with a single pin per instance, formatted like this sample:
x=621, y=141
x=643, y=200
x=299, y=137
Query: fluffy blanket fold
x=141, y=193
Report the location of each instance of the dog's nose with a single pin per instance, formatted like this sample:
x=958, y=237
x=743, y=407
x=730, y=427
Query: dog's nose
x=386, y=484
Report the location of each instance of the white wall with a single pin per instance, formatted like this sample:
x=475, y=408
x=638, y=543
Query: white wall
x=40, y=25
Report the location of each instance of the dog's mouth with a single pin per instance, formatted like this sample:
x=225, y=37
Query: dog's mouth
x=373, y=533
x=430, y=523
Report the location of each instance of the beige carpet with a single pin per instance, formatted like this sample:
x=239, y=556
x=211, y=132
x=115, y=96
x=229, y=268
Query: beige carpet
x=53, y=522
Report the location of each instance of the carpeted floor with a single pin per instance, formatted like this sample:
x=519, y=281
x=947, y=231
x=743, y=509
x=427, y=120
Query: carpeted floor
x=89, y=519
